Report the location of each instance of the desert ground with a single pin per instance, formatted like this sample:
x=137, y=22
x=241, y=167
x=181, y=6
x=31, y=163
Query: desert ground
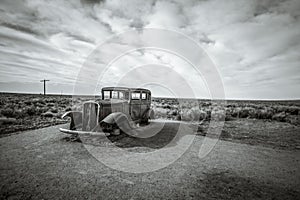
x=256, y=157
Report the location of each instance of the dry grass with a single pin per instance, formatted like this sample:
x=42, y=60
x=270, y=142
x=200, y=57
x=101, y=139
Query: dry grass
x=197, y=110
x=20, y=112
x=23, y=112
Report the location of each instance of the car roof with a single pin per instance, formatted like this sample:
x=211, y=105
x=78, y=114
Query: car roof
x=126, y=89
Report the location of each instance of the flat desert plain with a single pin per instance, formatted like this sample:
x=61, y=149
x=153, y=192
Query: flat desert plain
x=257, y=154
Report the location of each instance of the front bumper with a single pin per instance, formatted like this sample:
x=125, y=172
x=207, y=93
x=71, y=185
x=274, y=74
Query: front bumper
x=78, y=132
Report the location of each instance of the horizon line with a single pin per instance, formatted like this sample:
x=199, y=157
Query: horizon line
x=230, y=99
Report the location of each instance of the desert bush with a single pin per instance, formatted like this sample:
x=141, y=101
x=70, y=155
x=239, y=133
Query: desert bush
x=54, y=110
x=193, y=114
x=280, y=117
x=293, y=110
x=2, y=102
x=160, y=112
x=174, y=112
x=206, y=104
x=8, y=112
x=178, y=118
x=293, y=119
x=186, y=114
x=38, y=100
x=39, y=104
x=218, y=114
x=51, y=100
x=235, y=112
x=166, y=106
x=27, y=103
x=30, y=110
x=265, y=113
x=243, y=113
x=5, y=120
x=50, y=104
x=40, y=110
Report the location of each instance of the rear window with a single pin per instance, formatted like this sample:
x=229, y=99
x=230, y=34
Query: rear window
x=144, y=95
x=135, y=95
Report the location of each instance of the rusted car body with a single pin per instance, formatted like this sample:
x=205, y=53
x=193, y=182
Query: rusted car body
x=118, y=108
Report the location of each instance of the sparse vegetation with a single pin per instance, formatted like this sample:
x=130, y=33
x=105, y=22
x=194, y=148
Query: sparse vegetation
x=35, y=111
x=20, y=112
x=198, y=110
x=269, y=124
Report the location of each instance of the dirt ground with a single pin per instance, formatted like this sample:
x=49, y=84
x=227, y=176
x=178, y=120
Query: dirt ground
x=267, y=133
x=46, y=164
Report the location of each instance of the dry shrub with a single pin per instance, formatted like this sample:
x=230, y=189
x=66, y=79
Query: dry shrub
x=160, y=112
x=38, y=100
x=11, y=113
x=30, y=111
x=27, y=103
x=5, y=120
x=293, y=119
x=7, y=112
x=193, y=114
x=264, y=113
x=218, y=114
x=54, y=110
x=280, y=117
x=40, y=110
x=51, y=100
x=50, y=104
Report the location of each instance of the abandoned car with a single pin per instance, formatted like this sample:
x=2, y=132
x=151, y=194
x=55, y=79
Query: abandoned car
x=119, y=109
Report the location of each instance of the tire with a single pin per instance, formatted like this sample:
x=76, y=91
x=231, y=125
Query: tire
x=145, y=120
x=149, y=115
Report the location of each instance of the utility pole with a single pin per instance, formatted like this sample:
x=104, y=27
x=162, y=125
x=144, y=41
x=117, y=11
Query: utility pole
x=44, y=85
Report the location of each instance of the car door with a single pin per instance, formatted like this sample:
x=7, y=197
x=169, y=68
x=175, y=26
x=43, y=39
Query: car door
x=135, y=105
x=145, y=105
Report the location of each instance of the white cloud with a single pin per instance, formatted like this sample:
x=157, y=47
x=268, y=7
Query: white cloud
x=255, y=43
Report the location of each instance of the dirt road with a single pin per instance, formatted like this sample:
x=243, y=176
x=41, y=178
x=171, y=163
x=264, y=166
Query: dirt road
x=42, y=164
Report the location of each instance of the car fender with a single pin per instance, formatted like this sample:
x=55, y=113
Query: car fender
x=114, y=118
x=76, y=119
x=150, y=114
x=120, y=120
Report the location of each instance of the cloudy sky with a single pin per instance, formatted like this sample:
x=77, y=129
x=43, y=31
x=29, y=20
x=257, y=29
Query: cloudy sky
x=255, y=44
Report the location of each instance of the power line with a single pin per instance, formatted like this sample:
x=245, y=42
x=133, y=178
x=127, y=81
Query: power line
x=44, y=85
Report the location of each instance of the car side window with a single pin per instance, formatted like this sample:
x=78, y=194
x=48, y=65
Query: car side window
x=144, y=95
x=114, y=95
x=121, y=95
x=126, y=95
x=106, y=94
x=135, y=95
